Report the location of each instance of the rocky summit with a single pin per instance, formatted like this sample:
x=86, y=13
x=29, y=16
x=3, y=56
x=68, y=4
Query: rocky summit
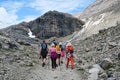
x=54, y=23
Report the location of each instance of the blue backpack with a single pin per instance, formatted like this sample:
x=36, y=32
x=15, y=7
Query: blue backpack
x=44, y=46
x=63, y=47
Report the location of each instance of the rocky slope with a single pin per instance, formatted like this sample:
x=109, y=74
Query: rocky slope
x=102, y=46
x=16, y=59
x=20, y=61
x=101, y=14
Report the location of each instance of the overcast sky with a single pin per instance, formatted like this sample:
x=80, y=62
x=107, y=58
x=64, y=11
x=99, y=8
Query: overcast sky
x=16, y=11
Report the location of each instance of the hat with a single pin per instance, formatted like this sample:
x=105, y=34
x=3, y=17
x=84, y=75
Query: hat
x=52, y=44
x=60, y=43
x=69, y=44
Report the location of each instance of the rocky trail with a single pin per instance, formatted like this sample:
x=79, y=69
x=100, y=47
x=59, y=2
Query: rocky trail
x=60, y=73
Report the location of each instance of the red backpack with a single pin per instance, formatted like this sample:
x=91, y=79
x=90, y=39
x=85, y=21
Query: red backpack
x=70, y=48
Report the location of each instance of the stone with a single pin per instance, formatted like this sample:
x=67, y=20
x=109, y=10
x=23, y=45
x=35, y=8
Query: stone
x=119, y=56
x=106, y=63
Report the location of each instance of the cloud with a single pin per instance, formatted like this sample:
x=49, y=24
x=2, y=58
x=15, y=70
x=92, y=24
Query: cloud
x=12, y=6
x=60, y=5
x=6, y=18
x=8, y=10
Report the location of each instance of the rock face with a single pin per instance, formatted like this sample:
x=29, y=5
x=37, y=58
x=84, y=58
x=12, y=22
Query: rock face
x=102, y=14
x=7, y=43
x=56, y=24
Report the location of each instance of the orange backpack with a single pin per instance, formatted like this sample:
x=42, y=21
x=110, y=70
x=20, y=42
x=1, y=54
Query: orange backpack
x=70, y=48
x=58, y=48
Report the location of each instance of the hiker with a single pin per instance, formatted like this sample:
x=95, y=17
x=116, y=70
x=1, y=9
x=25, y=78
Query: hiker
x=69, y=55
x=62, y=51
x=54, y=42
x=58, y=50
x=53, y=56
x=43, y=52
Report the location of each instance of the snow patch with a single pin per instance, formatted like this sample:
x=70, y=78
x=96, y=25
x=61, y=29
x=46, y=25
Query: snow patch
x=30, y=34
x=100, y=20
x=81, y=32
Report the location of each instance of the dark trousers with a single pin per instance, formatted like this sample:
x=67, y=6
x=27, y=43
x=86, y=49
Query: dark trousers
x=53, y=62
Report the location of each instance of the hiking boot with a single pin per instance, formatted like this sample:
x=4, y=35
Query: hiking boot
x=72, y=68
x=56, y=65
x=52, y=69
x=59, y=63
x=66, y=67
x=62, y=62
x=43, y=64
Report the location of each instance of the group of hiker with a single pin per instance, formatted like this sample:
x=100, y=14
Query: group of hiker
x=57, y=51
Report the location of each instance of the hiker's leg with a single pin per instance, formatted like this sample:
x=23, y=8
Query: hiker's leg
x=44, y=57
x=59, y=59
x=52, y=62
x=55, y=65
x=67, y=63
x=72, y=62
x=42, y=61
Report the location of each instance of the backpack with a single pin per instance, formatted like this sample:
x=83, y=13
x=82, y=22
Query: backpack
x=58, y=48
x=44, y=46
x=53, y=53
x=62, y=53
x=62, y=47
x=70, y=49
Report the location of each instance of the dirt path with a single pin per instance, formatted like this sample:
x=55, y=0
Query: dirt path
x=46, y=73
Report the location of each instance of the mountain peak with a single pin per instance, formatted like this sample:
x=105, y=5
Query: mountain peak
x=55, y=24
x=56, y=13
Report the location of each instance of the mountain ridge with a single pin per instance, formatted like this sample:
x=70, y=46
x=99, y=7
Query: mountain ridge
x=51, y=24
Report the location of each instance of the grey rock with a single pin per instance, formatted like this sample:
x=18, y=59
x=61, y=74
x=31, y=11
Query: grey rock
x=119, y=56
x=5, y=46
x=111, y=79
x=103, y=76
x=106, y=63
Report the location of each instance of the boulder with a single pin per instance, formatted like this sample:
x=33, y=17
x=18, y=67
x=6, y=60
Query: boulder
x=106, y=63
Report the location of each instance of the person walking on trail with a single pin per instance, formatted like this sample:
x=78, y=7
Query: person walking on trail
x=54, y=42
x=58, y=50
x=43, y=52
x=62, y=51
x=69, y=55
x=53, y=56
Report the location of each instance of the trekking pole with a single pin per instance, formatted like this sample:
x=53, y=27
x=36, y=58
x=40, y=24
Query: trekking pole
x=48, y=61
